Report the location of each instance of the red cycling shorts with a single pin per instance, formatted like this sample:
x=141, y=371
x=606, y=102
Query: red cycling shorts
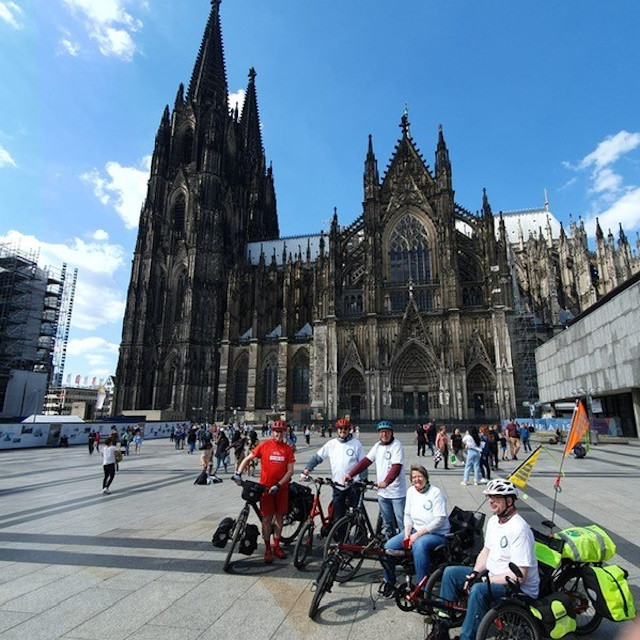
x=272, y=503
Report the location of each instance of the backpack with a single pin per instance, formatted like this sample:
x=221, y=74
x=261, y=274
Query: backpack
x=439, y=630
x=579, y=451
x=202, y=478
x=249, y=542
x=223, y=533
x=608, y=590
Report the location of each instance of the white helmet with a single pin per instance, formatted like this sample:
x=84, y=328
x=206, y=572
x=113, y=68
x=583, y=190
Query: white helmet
x=500, y=487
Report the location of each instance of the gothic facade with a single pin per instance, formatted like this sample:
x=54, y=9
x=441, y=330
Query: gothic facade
x=404, y=313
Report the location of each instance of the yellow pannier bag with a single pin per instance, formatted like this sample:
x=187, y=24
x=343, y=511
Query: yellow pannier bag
x=548, y=550
x=555, y=613
x=587, y=544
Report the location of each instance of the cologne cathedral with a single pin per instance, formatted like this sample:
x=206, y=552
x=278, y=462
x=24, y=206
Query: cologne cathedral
x=416, y=308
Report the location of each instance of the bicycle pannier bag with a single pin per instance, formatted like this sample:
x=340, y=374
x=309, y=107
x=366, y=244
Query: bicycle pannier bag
x=223, y=532
x=587, y=544
x=609, y=592
x=249, y=542
x=300, y=501
x=251, y=491
x=555, y=613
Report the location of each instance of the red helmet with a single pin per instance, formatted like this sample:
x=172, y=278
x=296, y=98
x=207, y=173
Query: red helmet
x=343, y=423
x=279, y=425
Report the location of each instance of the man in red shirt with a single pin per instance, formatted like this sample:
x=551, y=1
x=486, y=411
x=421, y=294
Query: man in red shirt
x=276, y=469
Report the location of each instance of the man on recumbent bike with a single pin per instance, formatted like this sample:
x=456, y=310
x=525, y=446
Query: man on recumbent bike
x=508, y=539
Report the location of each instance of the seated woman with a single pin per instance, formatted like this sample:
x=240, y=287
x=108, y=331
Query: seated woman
x=426, y=522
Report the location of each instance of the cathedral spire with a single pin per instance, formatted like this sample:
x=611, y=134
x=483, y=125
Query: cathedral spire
x=486, y=207
x=371, y=175
x=599, y=234
x=250, y=120
x=443, y=164
x=208, y=83
x=622, y=237
x=179, y=98
x=404, y=122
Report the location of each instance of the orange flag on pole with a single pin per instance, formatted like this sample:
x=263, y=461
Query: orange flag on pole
x=579, y=426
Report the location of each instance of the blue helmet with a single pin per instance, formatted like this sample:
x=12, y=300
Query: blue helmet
x=384, y=424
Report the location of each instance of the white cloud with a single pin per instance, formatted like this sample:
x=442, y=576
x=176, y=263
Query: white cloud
x=98, y=300
x=72, y=48
x=100, y=235
x=5, y=158
x=11, y=13
x=109, y=24
x=610, y=149
x=625, y=210
x=123, y=187
x=605, y=180
x=237, y=98
x=97, y=351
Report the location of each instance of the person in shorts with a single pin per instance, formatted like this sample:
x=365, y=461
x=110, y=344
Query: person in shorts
x=276, y=469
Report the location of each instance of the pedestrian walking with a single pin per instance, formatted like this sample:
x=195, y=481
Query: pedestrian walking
x=513, y=438
x=442, y=447
x=503, y=446
x=222, y=450
x=91, y=441
x=485, y=454
x=137, y=441
x=110, y=455
x=421, y=439
x=192, y=438
x=307, y=434
x=457, y=446
x=238, y=443
x=432, y=432
x=97, y=441
x=494, y=444
x=523, y=430
x=473, y=448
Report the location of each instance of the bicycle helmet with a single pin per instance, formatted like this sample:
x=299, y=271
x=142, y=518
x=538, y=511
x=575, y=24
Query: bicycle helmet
x=279, y=425
x=384, y=424
x=343, y=423
x=500, y=487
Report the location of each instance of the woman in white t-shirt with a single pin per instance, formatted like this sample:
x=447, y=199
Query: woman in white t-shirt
x=473, y=447
x=426, y=523
x=109, y=453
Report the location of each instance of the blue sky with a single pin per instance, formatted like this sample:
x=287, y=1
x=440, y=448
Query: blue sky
x=531, y=95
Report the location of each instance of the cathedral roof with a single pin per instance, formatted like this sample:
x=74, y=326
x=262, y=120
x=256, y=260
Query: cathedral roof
x=531, y=221
x=282, y=247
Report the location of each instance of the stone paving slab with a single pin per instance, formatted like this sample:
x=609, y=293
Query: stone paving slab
x=138, y=564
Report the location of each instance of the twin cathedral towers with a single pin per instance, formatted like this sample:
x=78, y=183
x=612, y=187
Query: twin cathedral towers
x=404, y=313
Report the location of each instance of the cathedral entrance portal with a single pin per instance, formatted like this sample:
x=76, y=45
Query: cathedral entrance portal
x=415, y=404
x=354, y=412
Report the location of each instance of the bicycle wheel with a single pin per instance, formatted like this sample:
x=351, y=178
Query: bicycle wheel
x=304, y=545
x=323, y=584
x=432, y=593
x=508, y=622
x=571, y=582
x=290, y=528
x=351, y=531
x=238, y=532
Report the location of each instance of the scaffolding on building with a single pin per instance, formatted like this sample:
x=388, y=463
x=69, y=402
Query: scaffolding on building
x=524, y=338
x=32, y=304
x=64, y=325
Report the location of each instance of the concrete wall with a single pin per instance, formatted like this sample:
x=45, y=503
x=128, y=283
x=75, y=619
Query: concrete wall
x=600, y=350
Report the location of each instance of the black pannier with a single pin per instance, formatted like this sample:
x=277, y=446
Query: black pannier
x=300, y=501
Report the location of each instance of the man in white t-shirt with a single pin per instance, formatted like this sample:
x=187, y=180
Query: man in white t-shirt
x=508, y=539
x=343, y=452
x=388, y=454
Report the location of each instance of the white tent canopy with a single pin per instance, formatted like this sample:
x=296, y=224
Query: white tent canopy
x=36, y=418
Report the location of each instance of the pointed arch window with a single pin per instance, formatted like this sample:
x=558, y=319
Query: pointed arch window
x=240, y=381
x=187, y=146
x=300, y=393
x=270, y=383
x=178, y=214
x=409, y=252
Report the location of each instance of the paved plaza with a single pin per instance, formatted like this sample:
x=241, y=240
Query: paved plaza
x=138, y=564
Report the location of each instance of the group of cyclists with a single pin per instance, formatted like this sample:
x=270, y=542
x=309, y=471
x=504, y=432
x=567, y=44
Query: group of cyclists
x=415, y=518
